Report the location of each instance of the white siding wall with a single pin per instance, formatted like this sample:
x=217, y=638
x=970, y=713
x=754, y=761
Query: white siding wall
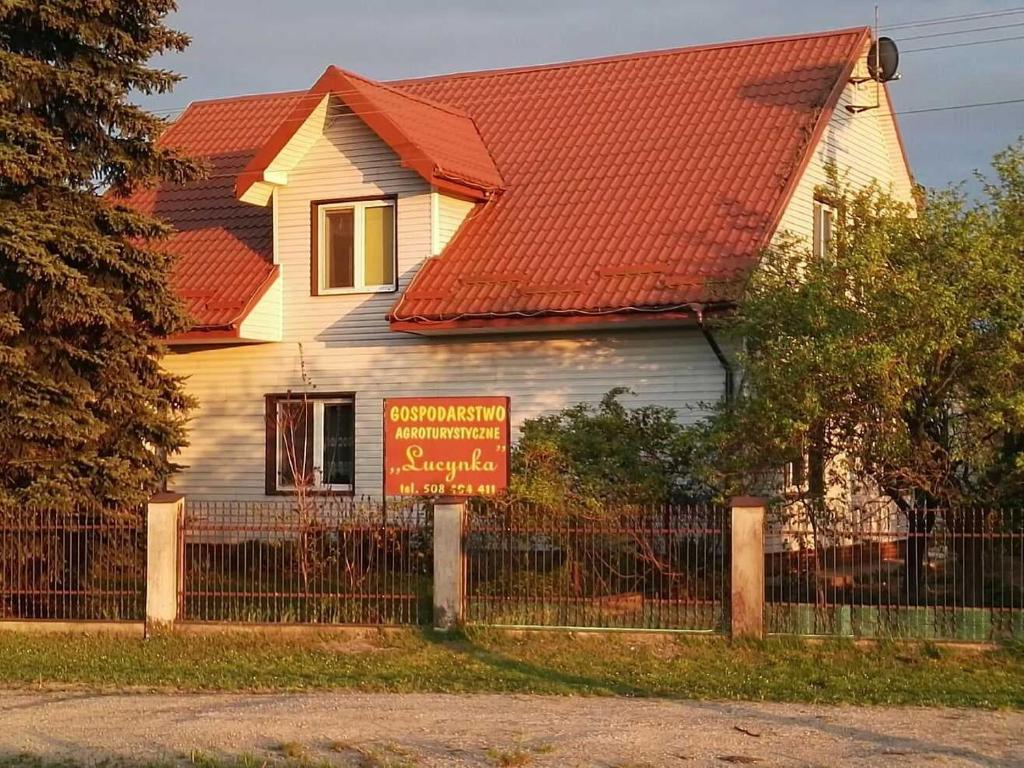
x=264, y=320
x=347, y=161
x=863, y=146
x=451, y=212
x=541, y=374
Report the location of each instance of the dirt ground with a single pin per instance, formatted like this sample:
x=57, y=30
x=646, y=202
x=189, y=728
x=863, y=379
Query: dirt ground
x=487, y=730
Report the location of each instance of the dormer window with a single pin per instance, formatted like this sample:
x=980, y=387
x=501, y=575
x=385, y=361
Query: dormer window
x=353, y=246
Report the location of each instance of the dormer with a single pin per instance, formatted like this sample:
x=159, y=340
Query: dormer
x=440, y=143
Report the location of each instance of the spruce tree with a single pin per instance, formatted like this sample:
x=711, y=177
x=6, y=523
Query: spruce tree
x=86, y=411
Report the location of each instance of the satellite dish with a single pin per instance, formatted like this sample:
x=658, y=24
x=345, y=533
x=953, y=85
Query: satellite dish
x=884, y=60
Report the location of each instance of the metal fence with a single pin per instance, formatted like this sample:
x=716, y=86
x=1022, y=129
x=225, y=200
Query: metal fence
x=83, y=565
x=928, y=574
x=326, y=561
x=638, y=568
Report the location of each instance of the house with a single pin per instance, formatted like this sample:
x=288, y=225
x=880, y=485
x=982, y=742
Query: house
x=544, y=233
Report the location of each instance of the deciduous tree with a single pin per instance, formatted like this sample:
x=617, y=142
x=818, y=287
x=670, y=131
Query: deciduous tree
x=901, y=352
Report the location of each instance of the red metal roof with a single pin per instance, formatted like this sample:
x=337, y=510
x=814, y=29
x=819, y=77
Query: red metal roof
x=437, y=141
x=637, y=183
x=224, y=248
x=634, y=183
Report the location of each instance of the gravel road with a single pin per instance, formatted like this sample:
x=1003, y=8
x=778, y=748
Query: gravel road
x=487, y=730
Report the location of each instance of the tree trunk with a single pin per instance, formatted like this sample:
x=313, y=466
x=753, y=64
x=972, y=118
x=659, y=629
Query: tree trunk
x=968, y=534
x=920, y=522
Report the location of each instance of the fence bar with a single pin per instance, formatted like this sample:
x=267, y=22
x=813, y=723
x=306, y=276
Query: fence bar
x=330, y=560
x=892, y=573
x=83, y=564
x=630, y=567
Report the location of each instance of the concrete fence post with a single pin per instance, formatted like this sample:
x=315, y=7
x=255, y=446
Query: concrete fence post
x=448, y=571
x=747, y=594
x=163, y=516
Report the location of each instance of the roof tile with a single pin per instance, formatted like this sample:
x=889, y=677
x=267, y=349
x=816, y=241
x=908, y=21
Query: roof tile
x=677, y=159
x=645, y=182
x=224, y=248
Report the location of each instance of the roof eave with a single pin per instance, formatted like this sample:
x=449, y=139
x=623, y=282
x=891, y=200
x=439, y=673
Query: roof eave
x=512, y=322
x=231, y=330
x=479, y=192
x=207, y=338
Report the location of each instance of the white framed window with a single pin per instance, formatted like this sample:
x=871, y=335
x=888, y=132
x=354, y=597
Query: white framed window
x=311, y=443
x=354, y=246
x=795, y=472
x=824, y=222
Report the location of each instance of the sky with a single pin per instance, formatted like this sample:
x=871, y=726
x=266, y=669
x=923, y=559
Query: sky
x=253, y=46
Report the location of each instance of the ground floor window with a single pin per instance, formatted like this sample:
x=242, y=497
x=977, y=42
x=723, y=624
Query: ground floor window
x=311, y=442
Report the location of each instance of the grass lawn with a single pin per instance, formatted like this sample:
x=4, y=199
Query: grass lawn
x=543, y=663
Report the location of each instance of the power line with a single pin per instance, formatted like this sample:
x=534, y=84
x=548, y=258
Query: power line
x=966, y=44
x=962, y=31
x=339, y=111
x=300, y=97
x=334, y=112
x=955, y=19
x=959, y=106
x=304, y=97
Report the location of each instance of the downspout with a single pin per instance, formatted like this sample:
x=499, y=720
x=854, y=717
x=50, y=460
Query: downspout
x=713, y=343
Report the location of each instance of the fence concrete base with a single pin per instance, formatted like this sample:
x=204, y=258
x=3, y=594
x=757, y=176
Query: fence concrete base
x=284, y=632
x=162, y=567
x=747, y=573
x=76, y=627
x=448, y=566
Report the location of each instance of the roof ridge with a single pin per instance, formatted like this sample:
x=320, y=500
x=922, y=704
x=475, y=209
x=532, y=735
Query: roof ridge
x=249, y=97
x=567, y=64
x=386, y=85
x=391, y=84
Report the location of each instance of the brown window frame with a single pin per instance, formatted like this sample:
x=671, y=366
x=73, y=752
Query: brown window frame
x=795, y=471
x=314, y=243
x=271, y=401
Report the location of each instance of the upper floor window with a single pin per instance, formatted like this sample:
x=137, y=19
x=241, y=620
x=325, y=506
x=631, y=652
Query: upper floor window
x=354, y=246
x=824, y=219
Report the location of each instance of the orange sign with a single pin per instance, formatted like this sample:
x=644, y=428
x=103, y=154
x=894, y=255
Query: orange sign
x=445, y=446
